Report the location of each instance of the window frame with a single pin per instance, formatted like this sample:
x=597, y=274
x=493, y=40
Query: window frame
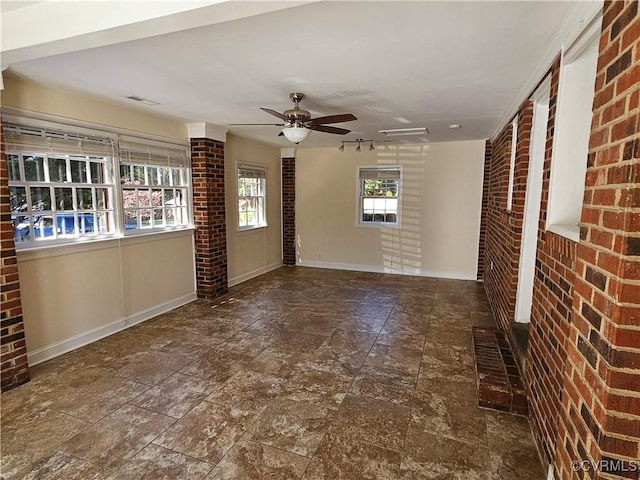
x=360, y=197
x=46, y=138
x=257, y=167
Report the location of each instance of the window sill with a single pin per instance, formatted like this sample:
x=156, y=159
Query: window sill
x=572, y=232
x=89, y=245
x=378, y=225
x=245, y=230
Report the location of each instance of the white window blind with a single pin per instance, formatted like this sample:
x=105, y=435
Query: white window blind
x=379, y=174
x=35, y=140
x=245, y=171
x=140, y=151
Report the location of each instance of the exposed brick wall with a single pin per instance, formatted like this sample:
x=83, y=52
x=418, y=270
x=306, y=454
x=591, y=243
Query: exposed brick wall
x=601, y=408
x=483, y=216
x=207, y=158
x=289, y=211
x=504, y=228
x=14, y=369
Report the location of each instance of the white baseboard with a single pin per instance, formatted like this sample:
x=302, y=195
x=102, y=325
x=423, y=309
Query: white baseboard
x=50, y=351
x=254, y=273
x=395, y=271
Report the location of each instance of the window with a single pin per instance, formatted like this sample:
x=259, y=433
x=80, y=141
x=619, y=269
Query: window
x=571, y=134
x=512, y=162
x=62, y=186
x=153, y=196
x=66, y=195
x=251, y=197
x=379, y=193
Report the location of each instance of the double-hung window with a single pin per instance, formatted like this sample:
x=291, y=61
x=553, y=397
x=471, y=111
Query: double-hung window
x=252, y=188
x=67, y=187
x=60, y=185
x=154, y=179
x=379, y=195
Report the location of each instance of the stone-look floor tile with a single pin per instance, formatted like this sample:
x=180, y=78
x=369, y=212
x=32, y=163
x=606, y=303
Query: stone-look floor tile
x=217, y=365
x=245, y=343
x=406, y=323
x=118, y=437
x=216, y=327
x=207, y=432
x=348, y=342
x=249, y=391
x=309, y=321
x=62, y=466
x=150, y=368
x=98, y=399
x=158, y=463
x=327, y=359
x=342, y=458
x=176, y=395
x=125, y=343
x=280, y=363
x=304, y=342
x=249, y=460
x=387, y=385
x=297, y=427
x=318, y=386
x=441, y=361
x=411, y=340
x=372, y=421
x=268, y=325
x=433, y=457
x=513, y=452
x=449, y=409
x=363, y=323
x=30, y=439
x=402, y=358
x=449, y=335
x=188, y=348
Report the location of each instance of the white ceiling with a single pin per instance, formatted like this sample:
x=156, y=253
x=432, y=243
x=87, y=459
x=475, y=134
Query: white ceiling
x=392, y=64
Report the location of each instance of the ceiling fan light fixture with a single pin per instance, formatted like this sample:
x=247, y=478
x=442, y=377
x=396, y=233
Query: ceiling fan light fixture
x=358, y=147
x=371, y=147
x=296, y=134
x=341, y=147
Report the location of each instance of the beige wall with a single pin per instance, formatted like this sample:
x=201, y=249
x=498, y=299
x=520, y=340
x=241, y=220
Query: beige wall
x=32, y=97
x=73, y=295
x=252, y=252
x=440, y=219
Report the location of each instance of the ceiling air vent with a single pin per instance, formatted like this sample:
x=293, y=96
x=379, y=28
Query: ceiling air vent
x=135, y=98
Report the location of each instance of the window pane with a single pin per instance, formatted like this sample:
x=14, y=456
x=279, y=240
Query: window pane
x=152, y=175
x=125, y=174
x=129, y=198
x=13, y=165
x=85, y=198
x=97, y=172
x=33, y=169
x=145, y=218
x=158, y=217
x=102, y=196
x=138, y=175
x=165, y=176
x=40, y=198
x=66, y=224
x=103, y=222
x=58, y=169
x=79, y=171
x=130, y=219
x=18, y=199
x=86, y=223
x=177, y=177
x=144, y=198
x=21, y=228
x=156, y=198
x=64, y=198
x=43, y=227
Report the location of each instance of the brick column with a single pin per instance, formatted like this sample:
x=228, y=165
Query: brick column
x=484, y=208
x=289, y=210
x=13, y=350
x=601, y=403
x=207, y=157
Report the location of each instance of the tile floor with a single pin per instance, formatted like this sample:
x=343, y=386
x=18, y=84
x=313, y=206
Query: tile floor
x=300, y=373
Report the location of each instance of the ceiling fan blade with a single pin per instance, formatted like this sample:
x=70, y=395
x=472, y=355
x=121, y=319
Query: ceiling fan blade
x=274, y=113
x=272, y=124
x=327, y=129
x=343, y=117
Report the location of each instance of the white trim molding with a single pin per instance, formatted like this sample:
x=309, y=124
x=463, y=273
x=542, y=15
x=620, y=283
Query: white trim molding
x=252, y=274
x=64, y=346
x=207, y=130
x=395, y=271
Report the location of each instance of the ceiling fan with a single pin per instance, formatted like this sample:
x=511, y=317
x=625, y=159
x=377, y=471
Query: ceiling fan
x=298, y=122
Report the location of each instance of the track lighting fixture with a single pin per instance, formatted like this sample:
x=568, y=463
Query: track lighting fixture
x=359, y=141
